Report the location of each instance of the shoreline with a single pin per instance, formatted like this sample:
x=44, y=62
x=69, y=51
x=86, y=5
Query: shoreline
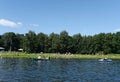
x=56, y=56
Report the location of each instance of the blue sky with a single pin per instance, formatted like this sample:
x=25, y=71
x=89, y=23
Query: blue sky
x=87, y=17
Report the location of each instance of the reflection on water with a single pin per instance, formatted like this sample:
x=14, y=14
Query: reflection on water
x=58, y=70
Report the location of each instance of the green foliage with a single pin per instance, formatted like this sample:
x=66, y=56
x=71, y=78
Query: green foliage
x=10, y=41
x=62, y=43
x=54, y=43
x=1, y=41
x=77, y=42
x=42, y=42
x=30, y=42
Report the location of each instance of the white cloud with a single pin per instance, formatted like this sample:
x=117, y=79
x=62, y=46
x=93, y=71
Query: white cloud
x=8, y=23
x=117, y=30
x=34, y=25
x=19, y=23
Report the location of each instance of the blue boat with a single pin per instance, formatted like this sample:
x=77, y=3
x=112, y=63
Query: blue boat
x=105, y=60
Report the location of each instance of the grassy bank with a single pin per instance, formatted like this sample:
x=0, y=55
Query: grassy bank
x=56, y=56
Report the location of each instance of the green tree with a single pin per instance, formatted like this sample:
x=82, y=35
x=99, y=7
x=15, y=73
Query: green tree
x=107, y=46
x=54, y=43
x=30, y=42
x=1, y=41
x=117, y=42
x=99, y=41
x=42, y=42
x=10, y=41
x=64, y=42
x=84, y=47
x=20, y=42
x=90, y=45
x=77, y=43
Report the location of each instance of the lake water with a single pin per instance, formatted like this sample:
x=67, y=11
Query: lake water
x=58, y=70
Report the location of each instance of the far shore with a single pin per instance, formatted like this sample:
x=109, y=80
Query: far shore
x=56, y=56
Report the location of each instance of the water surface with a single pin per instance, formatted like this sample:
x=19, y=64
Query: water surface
x=59, y=70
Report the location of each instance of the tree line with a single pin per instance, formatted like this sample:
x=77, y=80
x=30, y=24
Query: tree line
x=31, y=42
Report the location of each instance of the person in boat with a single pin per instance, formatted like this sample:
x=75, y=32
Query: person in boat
x=39, y=57
x=105, y=58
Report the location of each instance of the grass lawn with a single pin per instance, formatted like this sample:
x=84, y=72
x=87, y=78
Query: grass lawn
x=56, y=56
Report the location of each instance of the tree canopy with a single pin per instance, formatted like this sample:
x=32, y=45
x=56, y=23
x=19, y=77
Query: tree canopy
x=61, y=43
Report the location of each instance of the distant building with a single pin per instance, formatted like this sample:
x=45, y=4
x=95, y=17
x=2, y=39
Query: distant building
x=21, y=50
x=1, y=48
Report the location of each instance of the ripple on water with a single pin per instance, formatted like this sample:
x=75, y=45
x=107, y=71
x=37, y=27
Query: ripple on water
x=57, y=70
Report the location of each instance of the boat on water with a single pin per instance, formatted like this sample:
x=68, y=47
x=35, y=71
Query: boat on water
x=105, y=60
x=39, y=58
